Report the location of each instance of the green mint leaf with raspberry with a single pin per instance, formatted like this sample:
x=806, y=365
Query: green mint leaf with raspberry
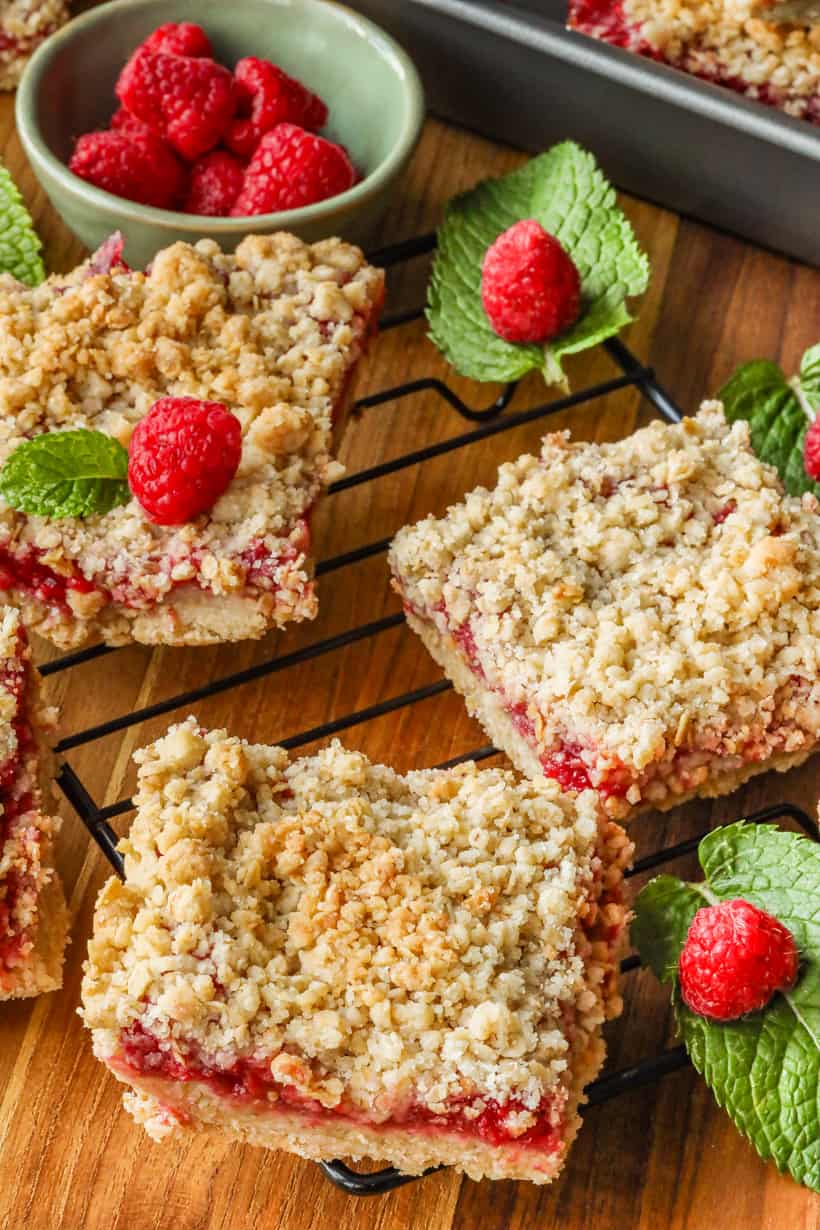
x=779, y=413
x=19, y=245
x=764, y=1069
x=565, y=192
x=66, y=474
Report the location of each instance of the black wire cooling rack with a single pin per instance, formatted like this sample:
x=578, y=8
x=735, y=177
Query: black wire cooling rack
x=488, y=421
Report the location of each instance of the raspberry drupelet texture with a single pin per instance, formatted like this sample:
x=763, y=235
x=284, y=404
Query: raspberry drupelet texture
x=180, y=38
x=188, y=101
x=215, y=183
x=131, y=164
x=182, y=457
x=811, y=451
x=736, y=957
x=530, y=287
x=292, y=168
x=266, y=96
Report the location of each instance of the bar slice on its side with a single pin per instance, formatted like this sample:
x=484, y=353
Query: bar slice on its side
x=24, y=24
x=741, y=44
x=33, y=914
x=641, y=617
x=322, y=956
x=273, y=331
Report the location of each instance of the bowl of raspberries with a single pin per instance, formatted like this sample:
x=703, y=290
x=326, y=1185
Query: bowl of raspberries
x=191, y=120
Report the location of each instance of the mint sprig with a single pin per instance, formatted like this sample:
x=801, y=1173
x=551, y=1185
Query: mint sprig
x=565, y=191
x=779, y=413
x=66, y=474
x=19, y=245
x=764, y=1069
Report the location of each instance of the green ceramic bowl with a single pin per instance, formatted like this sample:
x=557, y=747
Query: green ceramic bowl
x=370, y=85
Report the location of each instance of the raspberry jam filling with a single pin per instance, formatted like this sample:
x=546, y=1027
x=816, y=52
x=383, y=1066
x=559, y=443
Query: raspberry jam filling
x=250, y=1082
x=16, y=802
x=26, y=571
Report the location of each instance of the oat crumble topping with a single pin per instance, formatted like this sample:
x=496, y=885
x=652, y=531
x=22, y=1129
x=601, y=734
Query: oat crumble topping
x=273, y=332
x=371, y=936
x=642, y=600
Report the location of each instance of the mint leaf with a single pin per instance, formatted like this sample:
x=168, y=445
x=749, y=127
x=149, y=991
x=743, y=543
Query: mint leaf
x=764, y=1069
x=19, y=244
x=660, y=926
x=778, y=412
x=66, y=474
x=566, y=192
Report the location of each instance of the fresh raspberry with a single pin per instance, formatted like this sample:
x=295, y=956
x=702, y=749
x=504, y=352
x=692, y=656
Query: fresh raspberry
x=292, y=168
x=215, y=183
x=138, y=167
x=267, y=96
x=189, y=102
x=530, y=287
x=734, y=960
x=811, y=451
x=180, y=38
x=182, y=456
x=124, y=121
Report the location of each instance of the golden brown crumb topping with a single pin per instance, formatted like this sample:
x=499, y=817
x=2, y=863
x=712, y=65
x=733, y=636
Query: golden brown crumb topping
x=651, y=594
x=271, y=331
x=368, y=934
x=23, y=25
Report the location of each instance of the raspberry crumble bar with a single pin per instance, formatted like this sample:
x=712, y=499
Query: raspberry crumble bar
x=33, y=915
x=641, y=617
x=729, y=42
x=273, y=332
x=321, y=956
x=24, y=24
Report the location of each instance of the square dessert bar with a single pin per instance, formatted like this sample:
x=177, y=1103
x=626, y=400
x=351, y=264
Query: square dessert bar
x=273, y=332
x=640, y=617
x=740, y=44
x=24, y=24
x=321, y=956
x=33, y=915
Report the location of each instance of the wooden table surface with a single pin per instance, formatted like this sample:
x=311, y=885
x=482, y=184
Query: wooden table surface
x=662, y=1157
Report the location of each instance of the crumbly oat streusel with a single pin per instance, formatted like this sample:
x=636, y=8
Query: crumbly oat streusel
x=274, y=332
x=652, y=604
x=375, y=938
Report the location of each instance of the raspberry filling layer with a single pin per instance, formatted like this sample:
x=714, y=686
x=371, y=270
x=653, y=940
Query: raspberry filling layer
x=250, y=1082
x=26, y=570
x=16, y=801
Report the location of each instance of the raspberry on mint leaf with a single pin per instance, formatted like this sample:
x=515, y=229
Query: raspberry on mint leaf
x=137, y=166
x=267, y=96
x=189, y=102
x=292, y=168
x=530, y=287
x=181, y=458
x=735, y=959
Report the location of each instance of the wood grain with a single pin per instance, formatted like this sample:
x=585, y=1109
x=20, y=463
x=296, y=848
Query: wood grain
x=663, y=1157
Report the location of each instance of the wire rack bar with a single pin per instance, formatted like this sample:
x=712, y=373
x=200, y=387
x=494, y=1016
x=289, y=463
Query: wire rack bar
x=488, y=420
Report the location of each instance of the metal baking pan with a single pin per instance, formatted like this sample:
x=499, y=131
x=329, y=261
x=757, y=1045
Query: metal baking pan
x=514, y=73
